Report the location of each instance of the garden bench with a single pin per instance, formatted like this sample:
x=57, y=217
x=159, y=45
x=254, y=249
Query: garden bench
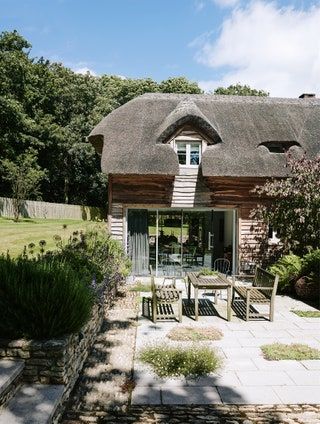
x=262, y=291
x=165, y=296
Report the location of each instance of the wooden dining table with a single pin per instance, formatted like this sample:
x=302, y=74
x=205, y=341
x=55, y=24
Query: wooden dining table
x=216, y=282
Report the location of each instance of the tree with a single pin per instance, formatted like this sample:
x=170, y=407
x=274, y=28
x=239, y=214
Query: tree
x=24, y=176
x=240, y=90
x=50, y=109
x=293, y=208
x=179, y=85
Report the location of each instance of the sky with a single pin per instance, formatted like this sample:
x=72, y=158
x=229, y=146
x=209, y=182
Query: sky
x=269, y=45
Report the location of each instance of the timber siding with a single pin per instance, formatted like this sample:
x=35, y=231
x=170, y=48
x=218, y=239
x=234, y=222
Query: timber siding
x=189, y=191
x=116, y=221
x=251, y=233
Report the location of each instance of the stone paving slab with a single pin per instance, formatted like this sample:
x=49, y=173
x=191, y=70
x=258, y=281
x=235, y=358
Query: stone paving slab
x=306, y=378
x=249, y=395
x=298, y=394
x=32, y=404
x=190, y=395
x=9, y=371
x=264, y=378
x=142, y=395
x=287, y=365
x=311, y=364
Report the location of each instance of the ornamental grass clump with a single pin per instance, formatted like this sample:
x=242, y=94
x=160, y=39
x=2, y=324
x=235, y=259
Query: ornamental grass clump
x=187, y=334
x=42, y=299
x=176, y=361
x=295, y=351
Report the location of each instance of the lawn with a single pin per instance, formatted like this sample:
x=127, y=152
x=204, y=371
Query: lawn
x=15, y=235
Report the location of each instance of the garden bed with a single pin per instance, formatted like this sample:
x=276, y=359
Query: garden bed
x=58, y=361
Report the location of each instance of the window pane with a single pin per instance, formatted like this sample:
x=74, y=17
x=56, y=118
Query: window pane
x=194, y=154
x=182, y=153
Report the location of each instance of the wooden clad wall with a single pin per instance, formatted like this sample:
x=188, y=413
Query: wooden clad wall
x=251, y=232
x=190, y=191
x=116, y=221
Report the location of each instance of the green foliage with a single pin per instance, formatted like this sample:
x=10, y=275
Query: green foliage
x=193, y=334
x=207, y=271
x=307, y=314
x=297, y=352
x=24, y=176
x=294, y=206
x=96, y=255
x=311, y=265
x=51, y=109
x=288, y=268
x=240, y=90
x=170, y=361
x=140, y=287
x=41, y=299
x=179, y=85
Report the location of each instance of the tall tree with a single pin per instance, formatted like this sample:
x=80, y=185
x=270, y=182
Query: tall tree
x=24, y=176
x=240, y=90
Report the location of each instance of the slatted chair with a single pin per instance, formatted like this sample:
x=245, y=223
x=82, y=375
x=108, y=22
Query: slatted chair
x=222, y=265
x=262, y=291
x=166, y=299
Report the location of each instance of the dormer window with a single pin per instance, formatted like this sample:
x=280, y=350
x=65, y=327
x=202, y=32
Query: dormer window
x=279, y=146
x=189, y=152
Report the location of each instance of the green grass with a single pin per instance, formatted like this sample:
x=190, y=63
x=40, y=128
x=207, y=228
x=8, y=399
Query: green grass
x=298, y=352
x=172, y=361
x=186, y=334
x=307, y=314
x=140, y=287
x=16, y=235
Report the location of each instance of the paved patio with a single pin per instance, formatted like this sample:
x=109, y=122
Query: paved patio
x=245, y=377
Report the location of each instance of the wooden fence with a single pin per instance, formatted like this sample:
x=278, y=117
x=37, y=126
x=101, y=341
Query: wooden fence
x=34, y=209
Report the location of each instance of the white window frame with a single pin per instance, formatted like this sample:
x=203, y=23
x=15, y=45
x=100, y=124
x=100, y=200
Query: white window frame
x=188, y=141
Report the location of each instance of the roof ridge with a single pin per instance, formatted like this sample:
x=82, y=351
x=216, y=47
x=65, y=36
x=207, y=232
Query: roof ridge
x=233, y=98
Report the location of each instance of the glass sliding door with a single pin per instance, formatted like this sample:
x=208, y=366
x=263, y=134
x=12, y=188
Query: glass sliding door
x=170, y=233
x=138, y=241
x=174, y=242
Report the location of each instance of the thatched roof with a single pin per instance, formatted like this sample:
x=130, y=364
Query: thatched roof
x=239, y=130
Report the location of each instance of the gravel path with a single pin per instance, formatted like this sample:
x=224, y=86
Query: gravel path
x=103, y=390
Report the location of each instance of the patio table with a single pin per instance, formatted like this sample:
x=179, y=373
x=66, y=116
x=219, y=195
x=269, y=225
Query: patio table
x=217, y=282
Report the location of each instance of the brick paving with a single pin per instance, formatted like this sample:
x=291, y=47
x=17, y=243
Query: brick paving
x=103, y=391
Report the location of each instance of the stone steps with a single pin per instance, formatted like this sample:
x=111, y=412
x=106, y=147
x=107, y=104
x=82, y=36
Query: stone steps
x=10, y=379
x=32, y=404
x=25, y=404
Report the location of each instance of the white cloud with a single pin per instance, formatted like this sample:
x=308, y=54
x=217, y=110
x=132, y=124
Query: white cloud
x=226, y=3
x=84, y=70
x=268, y=47
x=199, y=5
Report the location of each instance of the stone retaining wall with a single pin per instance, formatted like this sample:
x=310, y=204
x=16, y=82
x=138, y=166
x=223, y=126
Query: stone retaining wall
x=58, y=361
x=54, y=361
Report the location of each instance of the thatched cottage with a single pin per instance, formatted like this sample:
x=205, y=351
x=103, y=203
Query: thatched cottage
x=181, y=169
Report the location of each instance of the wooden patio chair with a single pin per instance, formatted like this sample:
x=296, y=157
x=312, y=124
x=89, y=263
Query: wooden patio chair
x=262, y=291
x=166, y=299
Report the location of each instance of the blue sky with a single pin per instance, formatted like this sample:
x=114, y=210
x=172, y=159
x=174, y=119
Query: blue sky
x=270, y=45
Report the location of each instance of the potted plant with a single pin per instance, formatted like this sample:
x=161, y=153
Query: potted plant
x=207, y=273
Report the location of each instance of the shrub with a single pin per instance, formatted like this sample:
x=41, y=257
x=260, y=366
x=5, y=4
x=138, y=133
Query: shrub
x=105, y=254
x=195, y=334
x=288, y=268
x=41, y=299
x=311, y=265
x=169, y=361
x=298, y=352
